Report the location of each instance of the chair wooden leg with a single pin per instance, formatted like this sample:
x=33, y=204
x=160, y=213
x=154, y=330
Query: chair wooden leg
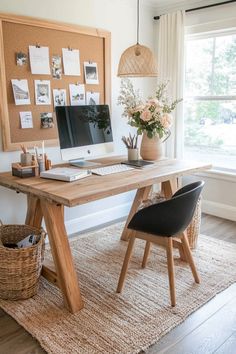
x=146, y=254
x=181, y=252
x=189, y=257
x=126, y=263
x=171, y=272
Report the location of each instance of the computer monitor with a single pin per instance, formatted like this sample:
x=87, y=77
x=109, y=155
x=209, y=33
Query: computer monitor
x=84, y=132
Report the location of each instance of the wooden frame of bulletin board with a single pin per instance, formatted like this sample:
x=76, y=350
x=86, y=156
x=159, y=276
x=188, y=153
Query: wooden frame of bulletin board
x=16, y=35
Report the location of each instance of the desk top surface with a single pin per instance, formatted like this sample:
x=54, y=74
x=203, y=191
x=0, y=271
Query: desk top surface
x=97, y=187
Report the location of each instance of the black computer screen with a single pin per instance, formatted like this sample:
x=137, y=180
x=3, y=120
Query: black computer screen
x=83, y=125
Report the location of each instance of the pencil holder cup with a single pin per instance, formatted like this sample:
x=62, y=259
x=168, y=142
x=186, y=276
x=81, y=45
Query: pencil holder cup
x=133, y=154
x=26, y=159
x=41, y=163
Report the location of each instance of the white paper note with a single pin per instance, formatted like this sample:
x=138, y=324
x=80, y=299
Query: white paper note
x=39, y=60
x=26, y=120
x=77, y=94
x=71, y=61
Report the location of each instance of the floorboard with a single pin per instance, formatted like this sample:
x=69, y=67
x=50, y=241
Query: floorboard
x=229, y=346
x=211, y=329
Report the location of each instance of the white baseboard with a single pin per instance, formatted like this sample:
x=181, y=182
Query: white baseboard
x=221, y=210
x=107, y=215
x=98, y=218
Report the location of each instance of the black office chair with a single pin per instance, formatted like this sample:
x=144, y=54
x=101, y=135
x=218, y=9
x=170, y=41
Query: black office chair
x=165, y=224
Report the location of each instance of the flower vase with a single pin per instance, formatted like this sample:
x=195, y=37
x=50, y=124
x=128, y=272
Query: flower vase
x=151, y=148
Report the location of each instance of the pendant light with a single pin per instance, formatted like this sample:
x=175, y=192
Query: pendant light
x=137, y=60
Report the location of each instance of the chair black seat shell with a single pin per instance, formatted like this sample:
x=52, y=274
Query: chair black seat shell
x=170, y=217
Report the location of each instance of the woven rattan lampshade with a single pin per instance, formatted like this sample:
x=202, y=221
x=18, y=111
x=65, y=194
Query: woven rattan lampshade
x=137, y=61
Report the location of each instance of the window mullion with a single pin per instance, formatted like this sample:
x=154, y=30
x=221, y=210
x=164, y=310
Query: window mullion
x=211, y=98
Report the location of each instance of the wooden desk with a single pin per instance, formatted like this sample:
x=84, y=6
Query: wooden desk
x=46, y=198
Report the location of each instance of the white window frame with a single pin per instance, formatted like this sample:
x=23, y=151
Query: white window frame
x=219, y=172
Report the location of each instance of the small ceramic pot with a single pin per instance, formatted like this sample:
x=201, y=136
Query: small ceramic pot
x=133, y=154
x=26, y=159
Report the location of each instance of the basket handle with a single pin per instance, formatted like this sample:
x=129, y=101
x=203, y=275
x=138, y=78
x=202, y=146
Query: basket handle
x=43, y=233
x=1, y=223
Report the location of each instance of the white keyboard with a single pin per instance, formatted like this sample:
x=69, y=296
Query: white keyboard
x=108, y=170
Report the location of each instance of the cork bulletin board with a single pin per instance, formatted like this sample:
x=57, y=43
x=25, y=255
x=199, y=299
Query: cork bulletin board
x=16, y=35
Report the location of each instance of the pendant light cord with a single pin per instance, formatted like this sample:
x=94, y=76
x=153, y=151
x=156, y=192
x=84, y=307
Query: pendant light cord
x=137, y=21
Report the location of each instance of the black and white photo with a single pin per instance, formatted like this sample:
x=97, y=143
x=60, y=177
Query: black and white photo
x=59, y=97
x=20, y=91
x=91, y=73
x=42, y=92
x=46, y=120
x=56, y=67
x=92, y=98
x=21, y=59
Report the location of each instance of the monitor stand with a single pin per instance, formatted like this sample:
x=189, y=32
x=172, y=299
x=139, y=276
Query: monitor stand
x=83, y=163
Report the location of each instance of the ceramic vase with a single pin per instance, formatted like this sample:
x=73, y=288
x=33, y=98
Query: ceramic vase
x=151, y=148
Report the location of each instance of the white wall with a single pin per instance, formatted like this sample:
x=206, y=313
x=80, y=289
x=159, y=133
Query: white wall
x=118, y=17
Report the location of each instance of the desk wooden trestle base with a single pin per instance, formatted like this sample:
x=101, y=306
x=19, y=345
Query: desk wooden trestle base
x=65, y=276
x=46, y=199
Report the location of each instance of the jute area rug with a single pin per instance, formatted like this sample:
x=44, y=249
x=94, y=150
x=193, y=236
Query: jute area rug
x=127, y=322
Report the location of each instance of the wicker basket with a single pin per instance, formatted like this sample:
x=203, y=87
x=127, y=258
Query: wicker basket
x=20, y=268
x=193, y=229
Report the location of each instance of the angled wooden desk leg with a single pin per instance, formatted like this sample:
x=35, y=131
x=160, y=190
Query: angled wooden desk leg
x=34, y=214
x=60, y=248
x=168, y=188
x=141, y=195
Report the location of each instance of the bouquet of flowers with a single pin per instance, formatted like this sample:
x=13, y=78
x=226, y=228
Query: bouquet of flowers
x=152, y=116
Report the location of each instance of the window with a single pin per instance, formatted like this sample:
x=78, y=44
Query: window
x=210, y=100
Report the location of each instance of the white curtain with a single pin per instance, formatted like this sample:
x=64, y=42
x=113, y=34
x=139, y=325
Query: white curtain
x=171, y=67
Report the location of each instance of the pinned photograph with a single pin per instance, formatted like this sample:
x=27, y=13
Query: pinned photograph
x=21, y=59
x=56, y=67
x=92, y=98
x=42, y=92
x=91, y=73
x=59, y=97
x=26, y=120
x=77, y=94
x=46, y=120
x=21, y=91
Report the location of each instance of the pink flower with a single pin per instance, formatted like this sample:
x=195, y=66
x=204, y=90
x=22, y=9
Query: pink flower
x=146, y=116
x=166, y=120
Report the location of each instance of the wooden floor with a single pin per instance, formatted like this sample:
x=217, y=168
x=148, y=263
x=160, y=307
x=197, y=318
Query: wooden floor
x=211, y=329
